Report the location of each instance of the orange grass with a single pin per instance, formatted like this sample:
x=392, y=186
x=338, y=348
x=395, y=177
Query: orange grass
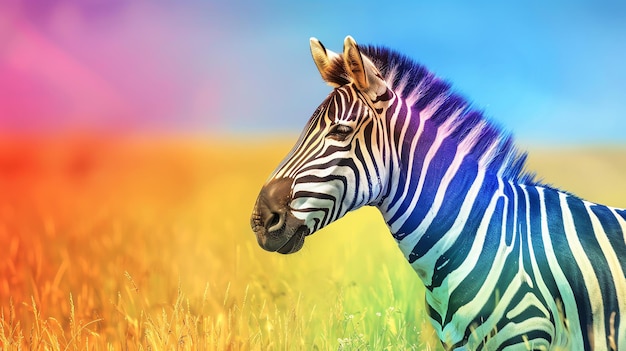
x=145, y=244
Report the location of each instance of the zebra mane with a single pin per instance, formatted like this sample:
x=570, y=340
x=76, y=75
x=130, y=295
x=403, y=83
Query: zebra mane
x=414, y=82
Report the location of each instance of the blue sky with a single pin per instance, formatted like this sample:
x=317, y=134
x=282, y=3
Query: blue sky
x=550, y=73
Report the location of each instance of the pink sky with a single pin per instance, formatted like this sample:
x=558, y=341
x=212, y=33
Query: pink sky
x=116, y=66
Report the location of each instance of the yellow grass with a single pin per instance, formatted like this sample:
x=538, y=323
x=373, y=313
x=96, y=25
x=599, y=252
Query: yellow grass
x=143, y=244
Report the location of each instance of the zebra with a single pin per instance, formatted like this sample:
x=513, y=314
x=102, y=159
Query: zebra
x=508, y=262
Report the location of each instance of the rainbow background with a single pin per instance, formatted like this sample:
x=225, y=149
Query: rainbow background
x=135, y=135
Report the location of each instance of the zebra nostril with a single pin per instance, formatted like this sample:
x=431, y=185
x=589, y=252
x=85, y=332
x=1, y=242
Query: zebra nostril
x=273, y=204
x=275, y=222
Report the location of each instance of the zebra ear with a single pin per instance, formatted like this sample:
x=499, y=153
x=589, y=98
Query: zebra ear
x=323, y=60
x=362, y=71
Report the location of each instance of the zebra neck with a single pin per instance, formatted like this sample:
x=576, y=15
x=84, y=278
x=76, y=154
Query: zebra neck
x=435, y=204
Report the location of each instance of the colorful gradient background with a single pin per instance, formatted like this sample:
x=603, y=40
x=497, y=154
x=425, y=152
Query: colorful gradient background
x=549, y=72
x=136, y=134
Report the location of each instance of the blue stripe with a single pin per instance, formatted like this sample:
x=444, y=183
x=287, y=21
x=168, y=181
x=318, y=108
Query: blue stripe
x=423, y=144
x=495, y=296
x=593, y=251
x=459, y=250
x=431, y=183
x=509, y=193
x=539, y=249
x=456, y=192
x=613, y=231
x=566, y=261
x=469, y=287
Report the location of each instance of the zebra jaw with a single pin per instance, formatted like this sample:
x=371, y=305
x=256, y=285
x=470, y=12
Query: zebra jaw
x=275, y=227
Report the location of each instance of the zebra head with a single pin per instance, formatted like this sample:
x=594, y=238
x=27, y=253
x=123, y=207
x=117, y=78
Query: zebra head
x=337, y=165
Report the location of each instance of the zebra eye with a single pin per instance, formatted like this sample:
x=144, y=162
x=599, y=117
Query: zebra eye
x=340, y=131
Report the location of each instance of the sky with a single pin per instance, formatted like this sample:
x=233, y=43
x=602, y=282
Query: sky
x=547, y=72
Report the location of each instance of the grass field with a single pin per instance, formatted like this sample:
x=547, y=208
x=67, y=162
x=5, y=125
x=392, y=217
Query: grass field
x=144, y=244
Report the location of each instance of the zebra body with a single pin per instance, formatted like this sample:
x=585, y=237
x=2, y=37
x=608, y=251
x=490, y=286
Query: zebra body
x=507, y=262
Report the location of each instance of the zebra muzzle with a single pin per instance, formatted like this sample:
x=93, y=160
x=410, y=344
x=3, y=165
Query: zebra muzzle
x=275, y=227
